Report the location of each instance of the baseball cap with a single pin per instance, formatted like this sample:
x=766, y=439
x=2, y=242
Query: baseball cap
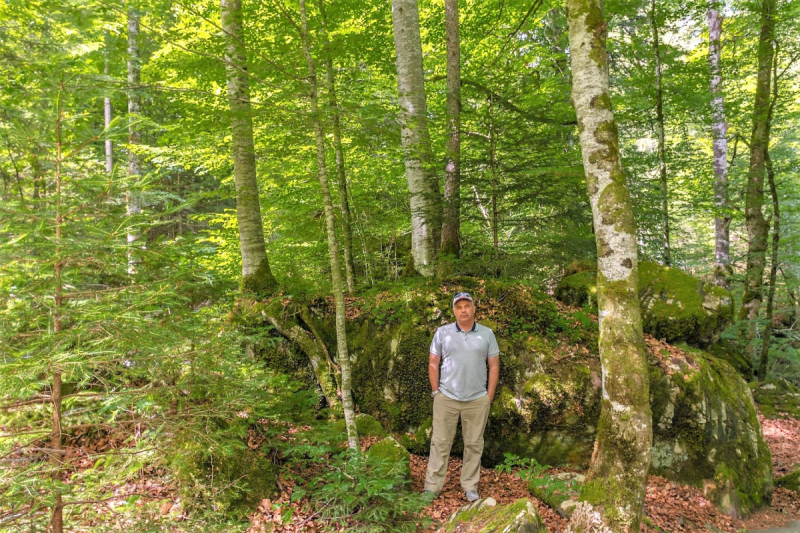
x=462, y=296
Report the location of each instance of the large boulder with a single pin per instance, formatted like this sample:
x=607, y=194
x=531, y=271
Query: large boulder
x=485, y=516
x=548, y=402
x=675, y=305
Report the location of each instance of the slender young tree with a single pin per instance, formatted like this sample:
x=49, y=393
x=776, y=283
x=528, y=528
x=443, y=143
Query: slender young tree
x=719, y=131
x=757, y=226
x=57, y=517
x=257, y=277
x=422, y=184
x=776, y=231
x=333, y=244
x=662, y=149
x=133, y=197
x=109, y=145
x=341, y=175
x=613, y=495
x=451, y=226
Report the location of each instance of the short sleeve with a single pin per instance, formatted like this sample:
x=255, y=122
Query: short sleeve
x=436, y=344
x=494, y=349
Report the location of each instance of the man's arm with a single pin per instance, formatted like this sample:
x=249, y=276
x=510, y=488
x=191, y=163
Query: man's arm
x=433, y=371
x=494, y=375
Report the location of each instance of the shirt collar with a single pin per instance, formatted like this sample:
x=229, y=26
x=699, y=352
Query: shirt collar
x=473, y=329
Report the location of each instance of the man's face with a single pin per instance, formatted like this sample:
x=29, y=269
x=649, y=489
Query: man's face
x=464, y=310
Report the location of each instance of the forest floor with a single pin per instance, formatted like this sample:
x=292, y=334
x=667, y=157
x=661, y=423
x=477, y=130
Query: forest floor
x=669, y=507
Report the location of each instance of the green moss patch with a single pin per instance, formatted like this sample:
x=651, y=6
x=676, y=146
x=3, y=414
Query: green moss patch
x=790, y=481
x=391, y=453
x=480, y=517
x=777, y=398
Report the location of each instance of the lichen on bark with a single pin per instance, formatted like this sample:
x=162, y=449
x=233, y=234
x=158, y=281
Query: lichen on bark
x=618, y=471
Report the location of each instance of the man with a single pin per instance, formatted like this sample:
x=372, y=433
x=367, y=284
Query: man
x=460, y=390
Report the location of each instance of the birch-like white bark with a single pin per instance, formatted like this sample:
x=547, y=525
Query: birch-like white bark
x=615, y=487
x=133, y=197
x=333, y=244
x=423, y=188
x=256, y=274
x=719, y=132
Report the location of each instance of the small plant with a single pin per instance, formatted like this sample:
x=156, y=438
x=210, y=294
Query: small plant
x=545, y=487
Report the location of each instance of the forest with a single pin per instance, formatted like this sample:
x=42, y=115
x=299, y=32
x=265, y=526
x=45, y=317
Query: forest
x=229, y=230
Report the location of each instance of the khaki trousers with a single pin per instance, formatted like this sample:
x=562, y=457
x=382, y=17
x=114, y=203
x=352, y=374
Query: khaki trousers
x=445, y=420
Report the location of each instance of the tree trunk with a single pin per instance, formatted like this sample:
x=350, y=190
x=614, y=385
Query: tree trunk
x=662, y=150
x=719, y=130
x=107, y=118
x=757, y=226
x=776, y=229
x=315, y=350
x=133, y=197
x=257, y=277
x=57, y=518
x=344, y=204
x=773, y=271
x=333, y=245
x=493, y=169
x=451, y=228
x=615, y=487
x=422, y=185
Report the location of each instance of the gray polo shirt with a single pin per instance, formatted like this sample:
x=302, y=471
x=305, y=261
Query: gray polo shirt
x=464, y=355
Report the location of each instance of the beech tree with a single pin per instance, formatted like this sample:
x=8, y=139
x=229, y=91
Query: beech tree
x=333, y=244
x=615, y=487
x=422, y=184
x=719, y=131
x=256, y=274
x=451, y=226
x=757, y=225
x=133, y=196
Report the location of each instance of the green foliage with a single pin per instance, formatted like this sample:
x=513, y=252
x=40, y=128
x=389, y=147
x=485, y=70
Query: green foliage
x=363, y=492
x=547, y=488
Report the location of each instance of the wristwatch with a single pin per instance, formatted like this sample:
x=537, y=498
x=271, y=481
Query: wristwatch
x=434, y=393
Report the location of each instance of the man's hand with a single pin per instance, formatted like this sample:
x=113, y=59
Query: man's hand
x=494, y=375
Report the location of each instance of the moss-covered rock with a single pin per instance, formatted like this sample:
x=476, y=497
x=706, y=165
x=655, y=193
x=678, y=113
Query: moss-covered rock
x=790, y=481
x=777, y=398
x=485, y=516
x=706, y=432
x=391, y=453
x=366, y=426
x=234, y=483
x=734, y=353
x=548, y=401
x=675, y=305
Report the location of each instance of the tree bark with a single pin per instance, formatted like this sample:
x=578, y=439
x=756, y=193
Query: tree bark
x=315, y=350
x=333, y=245
x=107, y=117
x=422, y=185
x=133, y=197
x=451, y=228
x=57, y=517
x=757, y=226
x=341, y=175
x=776, y=229
x=719, y=130
x=493, y=170
x=257, y=276
x=662, y=149
x=615, y=487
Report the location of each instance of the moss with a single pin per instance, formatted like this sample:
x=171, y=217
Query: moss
x=734, y=354
x=712, y=432
x=790, y=481
x=261, y=283
x=777, y=398
x=675, y=305
x=579, y=289
x=390, y=452
x=365, y=425
x=235, y=483
x=518, y=517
